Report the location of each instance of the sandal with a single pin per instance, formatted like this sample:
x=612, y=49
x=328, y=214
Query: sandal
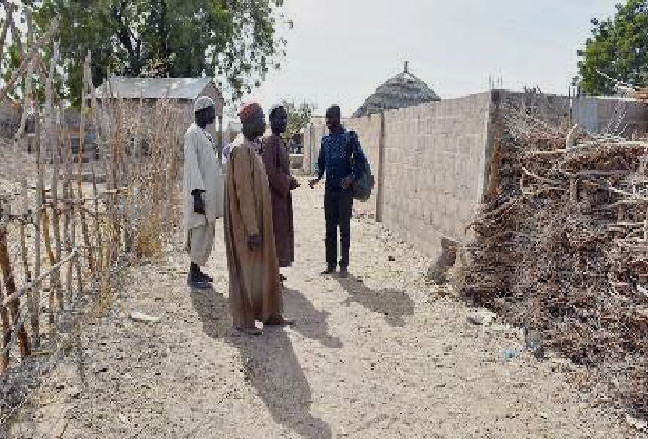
x=206, y=277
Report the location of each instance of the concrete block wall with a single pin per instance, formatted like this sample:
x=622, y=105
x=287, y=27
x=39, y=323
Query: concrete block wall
x=313, y=133
x=368, y=130
x=434, y=169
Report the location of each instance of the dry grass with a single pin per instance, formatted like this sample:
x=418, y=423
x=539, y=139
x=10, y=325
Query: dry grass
x=58, y=201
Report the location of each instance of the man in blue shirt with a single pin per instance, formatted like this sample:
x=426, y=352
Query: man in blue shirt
x=335, y=160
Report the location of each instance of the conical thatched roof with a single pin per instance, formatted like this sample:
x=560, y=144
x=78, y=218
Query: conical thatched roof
x=403, y=90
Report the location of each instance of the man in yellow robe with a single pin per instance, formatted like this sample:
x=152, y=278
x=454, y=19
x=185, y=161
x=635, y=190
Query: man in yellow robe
x=254, y=283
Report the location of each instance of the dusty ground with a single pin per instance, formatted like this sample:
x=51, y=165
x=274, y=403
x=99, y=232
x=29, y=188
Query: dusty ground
x=378, y=355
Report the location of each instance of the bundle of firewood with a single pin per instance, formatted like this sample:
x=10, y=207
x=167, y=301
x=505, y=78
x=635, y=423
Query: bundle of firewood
x=561, y=244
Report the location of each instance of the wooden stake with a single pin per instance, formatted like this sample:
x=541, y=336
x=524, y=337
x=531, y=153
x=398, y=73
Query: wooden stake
x=37, y=235
x=98, y=240
x=6, y=334
x=10, y=286
x=25, y=262
x=51, y=147
x=84, y=225
x=56, y=221
x=67, y=193
x=94, y=111
x=33, y=302
x=50, y=254
x=573, y=189
x=9, y=10
x=77, y=213
x=33, y=53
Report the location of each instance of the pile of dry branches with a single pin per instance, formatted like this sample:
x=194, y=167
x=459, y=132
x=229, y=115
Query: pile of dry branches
x=562, y=245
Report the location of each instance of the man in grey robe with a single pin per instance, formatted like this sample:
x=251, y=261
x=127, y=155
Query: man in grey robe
x=203, y=191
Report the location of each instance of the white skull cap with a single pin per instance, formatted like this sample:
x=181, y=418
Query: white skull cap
x=203, y=102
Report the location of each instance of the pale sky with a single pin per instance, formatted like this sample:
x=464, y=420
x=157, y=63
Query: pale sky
x=341, y=50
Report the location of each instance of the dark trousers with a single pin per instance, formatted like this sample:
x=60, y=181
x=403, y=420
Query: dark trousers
x=338, y=208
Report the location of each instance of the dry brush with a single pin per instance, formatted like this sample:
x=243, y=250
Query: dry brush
x=76, y=204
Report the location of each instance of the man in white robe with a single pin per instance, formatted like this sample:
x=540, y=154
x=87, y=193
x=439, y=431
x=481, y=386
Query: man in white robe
x=203, y=191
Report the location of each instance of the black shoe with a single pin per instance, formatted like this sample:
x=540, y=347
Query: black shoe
x=279, y=321
x=197, y=282
x=329, y=270
x=250, y=331
x=205, y=277
x=344, y=273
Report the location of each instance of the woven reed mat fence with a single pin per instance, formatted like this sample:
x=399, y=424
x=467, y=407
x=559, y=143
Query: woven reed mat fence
x=69, y=222
x=562, y=245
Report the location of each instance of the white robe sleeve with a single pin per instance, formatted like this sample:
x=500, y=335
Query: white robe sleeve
x=193, y=177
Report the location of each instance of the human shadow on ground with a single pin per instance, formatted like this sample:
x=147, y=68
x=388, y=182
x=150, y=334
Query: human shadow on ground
x=213, y=312
x=395, y=305
x=270, y=366
x=310, y=322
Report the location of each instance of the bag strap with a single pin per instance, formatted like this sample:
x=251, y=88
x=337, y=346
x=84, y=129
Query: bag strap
x=347, y=141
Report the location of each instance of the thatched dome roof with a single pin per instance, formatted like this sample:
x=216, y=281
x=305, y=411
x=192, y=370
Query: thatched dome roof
x=403, y=90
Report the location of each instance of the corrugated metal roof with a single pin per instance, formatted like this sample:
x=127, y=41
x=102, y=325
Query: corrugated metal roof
x=155, y=88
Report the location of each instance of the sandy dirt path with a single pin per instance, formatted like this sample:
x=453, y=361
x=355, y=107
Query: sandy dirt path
x=377, y=355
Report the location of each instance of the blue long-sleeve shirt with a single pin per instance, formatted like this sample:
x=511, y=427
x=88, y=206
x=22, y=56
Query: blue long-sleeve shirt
x=335, y=160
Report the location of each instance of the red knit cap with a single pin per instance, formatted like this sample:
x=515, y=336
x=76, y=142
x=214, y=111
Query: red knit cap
x=247, y=111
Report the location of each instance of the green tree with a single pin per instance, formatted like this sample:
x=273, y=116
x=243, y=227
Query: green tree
x=298, y=118
x=236, y=41
x=618, y=48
